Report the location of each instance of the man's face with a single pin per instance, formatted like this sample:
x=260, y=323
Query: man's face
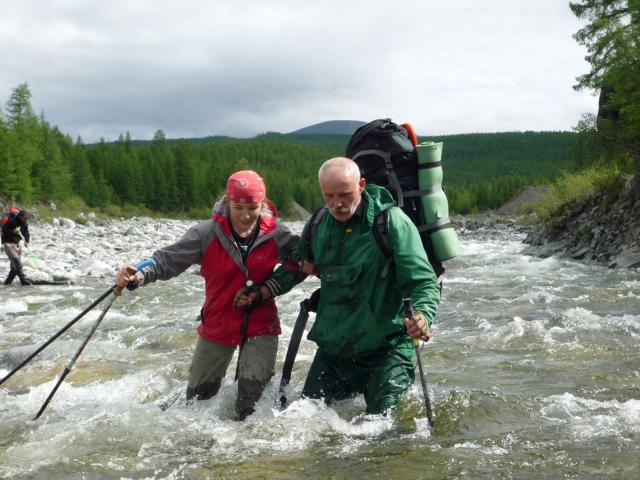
x=342, y=196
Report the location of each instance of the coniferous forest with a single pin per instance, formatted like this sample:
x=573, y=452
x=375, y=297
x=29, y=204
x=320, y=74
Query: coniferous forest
x=39, y=163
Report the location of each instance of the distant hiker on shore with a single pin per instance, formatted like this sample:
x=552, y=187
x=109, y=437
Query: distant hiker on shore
x=243, y=241
x=14, y=229
x=364, y=341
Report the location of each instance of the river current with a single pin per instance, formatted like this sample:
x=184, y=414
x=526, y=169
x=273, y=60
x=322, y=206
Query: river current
x=533, y=370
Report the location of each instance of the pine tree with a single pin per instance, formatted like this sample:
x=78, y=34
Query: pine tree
x=185, y=181
x=4, y=140
x=22, y=146
x=83, y=179
x=17, y=175
x=612, y=38
x=19, y=109
x=56, y=178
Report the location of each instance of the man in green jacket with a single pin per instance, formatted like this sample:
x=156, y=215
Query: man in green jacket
x=364, y=341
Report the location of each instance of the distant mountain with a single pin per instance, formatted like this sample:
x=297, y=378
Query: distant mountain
x=335, y=127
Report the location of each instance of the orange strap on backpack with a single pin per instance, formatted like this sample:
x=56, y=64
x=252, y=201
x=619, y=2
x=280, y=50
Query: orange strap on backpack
x=412, y=133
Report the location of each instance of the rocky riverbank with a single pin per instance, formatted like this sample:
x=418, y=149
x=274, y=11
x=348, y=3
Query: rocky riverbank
x=66, y=251
x=601, y=229
x=604, y=228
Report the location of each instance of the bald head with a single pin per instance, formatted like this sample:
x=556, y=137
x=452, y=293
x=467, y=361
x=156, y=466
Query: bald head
x=339, y=167
x=341, y=187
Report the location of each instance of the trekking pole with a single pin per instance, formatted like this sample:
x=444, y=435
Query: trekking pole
x=34, y=258
x=409, y=311
x=58, y=333
x=251, y=287
x=74, y=358
x=308, y=305
x=71, y=323
x=292, y=350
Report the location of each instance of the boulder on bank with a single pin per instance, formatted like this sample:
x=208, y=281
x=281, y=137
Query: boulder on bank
x=59, y=253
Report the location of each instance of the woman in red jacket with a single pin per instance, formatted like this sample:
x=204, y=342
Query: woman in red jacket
x=243, y=241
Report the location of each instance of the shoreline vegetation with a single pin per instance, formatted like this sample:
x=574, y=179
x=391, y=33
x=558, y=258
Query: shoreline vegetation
x=182, y=178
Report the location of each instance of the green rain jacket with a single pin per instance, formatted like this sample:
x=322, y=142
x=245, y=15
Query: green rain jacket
x=360, y=313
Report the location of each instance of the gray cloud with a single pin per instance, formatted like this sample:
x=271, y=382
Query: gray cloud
x=196, y=68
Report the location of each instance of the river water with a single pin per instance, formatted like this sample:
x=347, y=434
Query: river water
x=533, y=369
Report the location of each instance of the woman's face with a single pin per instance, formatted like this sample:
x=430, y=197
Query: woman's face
x=244, y=216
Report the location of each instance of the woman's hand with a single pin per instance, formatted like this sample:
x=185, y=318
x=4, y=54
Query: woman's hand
x=246, y=297
x=125, y=275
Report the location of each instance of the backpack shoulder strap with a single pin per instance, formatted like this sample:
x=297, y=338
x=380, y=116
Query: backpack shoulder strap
x=381, y=234
x=314, y=221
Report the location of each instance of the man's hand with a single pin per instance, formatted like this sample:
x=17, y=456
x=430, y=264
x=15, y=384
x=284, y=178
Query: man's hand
x=417, y=327
x=309, y=268
x=123, y=277
x=246, y=297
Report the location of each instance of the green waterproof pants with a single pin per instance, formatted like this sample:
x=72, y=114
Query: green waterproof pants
x=383, y=377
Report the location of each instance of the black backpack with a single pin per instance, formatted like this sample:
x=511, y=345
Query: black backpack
x=386, y=154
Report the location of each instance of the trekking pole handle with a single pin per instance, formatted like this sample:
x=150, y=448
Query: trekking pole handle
x=145, y=263
x=132, y=270
x=251, y=286
x=410, y=311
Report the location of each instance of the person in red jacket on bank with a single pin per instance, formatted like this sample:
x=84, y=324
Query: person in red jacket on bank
x=243, y=241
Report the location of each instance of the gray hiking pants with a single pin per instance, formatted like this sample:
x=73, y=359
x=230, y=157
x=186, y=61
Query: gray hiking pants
x=13, y=253
x=210, y=363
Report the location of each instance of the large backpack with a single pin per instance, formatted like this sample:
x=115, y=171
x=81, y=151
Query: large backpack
x=387, y=155
x=8, y=213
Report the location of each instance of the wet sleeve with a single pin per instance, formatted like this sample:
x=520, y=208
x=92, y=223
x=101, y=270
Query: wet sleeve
x=415, y=275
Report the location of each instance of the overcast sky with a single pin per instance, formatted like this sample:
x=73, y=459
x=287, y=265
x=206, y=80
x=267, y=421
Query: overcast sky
x=242, y=67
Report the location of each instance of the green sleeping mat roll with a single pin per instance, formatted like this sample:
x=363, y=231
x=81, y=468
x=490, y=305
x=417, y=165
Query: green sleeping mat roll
x=434, y=202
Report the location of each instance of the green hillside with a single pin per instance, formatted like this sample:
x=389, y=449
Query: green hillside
x=481, y=170
x=39, y=163
x=484, y=170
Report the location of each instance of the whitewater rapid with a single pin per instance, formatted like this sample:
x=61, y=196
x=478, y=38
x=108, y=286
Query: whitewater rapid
x=533, y=369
